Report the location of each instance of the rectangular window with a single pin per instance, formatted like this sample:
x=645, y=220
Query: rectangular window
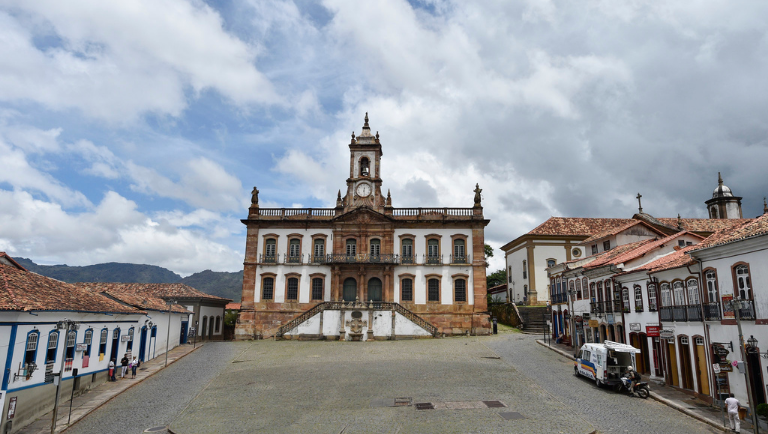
x=594, y=249
x=53, y=343
x=319, y=249
x=267, y=288
x=270, y=251
x=87, y=341
x=29, y=356
x=103, y=342
x=375, y=248
x=293, y=289
x=652, y=298
x=681, y=243
x=317, y=288
x=638, y=298
x=607, y=245
x=433, y=290
x=433, y=252
x=294, y=250
x=407, y=290
x=458, y=251
x=351, y=247
x=460, y=290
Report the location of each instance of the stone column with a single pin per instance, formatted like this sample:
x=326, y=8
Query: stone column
x=388, y=296
x=246, y=326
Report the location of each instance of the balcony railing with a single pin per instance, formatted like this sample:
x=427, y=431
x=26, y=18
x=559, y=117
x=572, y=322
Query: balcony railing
x=558, y=298
x=608, y=306
x=684, y=313
x=712, y=311
x=596, y=307
x=693, y=312
x=459, y=259
x=293, y=259
x=268, y=259
x=407, y=259
x=618, y=306
x=748, y=311
x=666, y=313
x=638, y=307
x=433, y=260
x=362, y=258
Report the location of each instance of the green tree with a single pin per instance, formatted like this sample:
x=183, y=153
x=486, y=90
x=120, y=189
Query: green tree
x=488, y=254
x=498, y=277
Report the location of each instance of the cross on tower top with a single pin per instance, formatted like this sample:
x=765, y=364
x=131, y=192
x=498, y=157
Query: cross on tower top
x=639, y=204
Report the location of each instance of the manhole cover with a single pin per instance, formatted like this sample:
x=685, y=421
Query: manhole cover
x=424, y=406
x=513, y=415
x=157, y=429
x=494, y=404
x=403, y=402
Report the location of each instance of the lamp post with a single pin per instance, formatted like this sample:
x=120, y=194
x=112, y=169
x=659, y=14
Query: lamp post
x=170, y=302
x=67, y=325
x=737, y=305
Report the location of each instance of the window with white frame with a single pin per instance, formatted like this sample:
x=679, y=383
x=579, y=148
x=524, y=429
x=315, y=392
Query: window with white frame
x=88, y=341
x=678, y=293
x=31, y=351
x=407, y=251
x=638, y=298
x=625, y=298
x=666, y=295
x=319, y=249
x=652, y=297
x=693, y=291
x=743, y=285
x=711, y=285
x=578, y=289
x=53, y=343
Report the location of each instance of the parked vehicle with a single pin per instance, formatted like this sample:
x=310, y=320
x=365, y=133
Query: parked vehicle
x=605, y=363
x=641, y=389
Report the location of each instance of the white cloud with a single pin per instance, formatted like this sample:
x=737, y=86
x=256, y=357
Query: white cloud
x=117, y=61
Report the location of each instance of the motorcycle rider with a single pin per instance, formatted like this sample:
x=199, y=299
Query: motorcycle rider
x=633, y=378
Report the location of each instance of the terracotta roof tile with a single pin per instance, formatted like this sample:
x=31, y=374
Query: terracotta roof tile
x=605, y=258
x=5, y=258
x=746, y=229
x=576, y=226
x=233, y=306
x=159, y=290
x=642, y=250
x=612, y=231
x=21, y=290
x=704, y=225
x=129, y=295
x=678, y=258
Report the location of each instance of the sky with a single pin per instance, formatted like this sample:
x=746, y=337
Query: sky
x=135, y=131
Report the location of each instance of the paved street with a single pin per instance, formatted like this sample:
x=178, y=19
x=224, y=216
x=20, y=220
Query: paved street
x=332, y=387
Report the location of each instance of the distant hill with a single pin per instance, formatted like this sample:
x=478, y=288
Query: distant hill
x=219, y=283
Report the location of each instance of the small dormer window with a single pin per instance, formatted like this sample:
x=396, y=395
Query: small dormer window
x=681, y=243
x=594, y=249
x=607, y=245
x=364, y=167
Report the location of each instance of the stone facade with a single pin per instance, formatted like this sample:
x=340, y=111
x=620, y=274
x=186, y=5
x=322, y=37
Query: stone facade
x=429, y=260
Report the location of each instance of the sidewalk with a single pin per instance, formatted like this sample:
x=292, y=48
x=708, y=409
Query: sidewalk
x=676, y=399
x=93, y=399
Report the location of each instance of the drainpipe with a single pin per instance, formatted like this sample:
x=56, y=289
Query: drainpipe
x=707, y=339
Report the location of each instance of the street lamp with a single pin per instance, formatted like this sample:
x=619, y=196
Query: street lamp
x=67, y=325
x=738, y=304
x=170, y=302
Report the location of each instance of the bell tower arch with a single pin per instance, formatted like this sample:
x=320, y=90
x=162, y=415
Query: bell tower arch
x=364, y=182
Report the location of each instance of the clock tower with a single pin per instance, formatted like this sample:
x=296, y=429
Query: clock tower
x=364, y=182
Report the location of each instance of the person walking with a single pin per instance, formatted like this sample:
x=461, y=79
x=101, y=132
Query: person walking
x=124, y=364
x=134, y=365
x=111, y=371
x=732, y=405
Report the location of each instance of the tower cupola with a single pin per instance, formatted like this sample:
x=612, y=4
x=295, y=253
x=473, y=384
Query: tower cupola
x=723, y=205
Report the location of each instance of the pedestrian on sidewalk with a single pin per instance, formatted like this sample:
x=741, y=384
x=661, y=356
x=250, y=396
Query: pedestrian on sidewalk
x=732, y=404
x=124, y=364
x=134, y=365
x=111, y=370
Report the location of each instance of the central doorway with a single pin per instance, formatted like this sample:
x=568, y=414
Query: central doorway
x=350, y=289
x=374, y=289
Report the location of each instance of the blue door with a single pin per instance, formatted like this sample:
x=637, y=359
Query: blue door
x=183, y=337
x=143, y=347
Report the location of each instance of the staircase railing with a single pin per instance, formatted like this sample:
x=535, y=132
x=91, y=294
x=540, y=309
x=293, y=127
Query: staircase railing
x=336, y=305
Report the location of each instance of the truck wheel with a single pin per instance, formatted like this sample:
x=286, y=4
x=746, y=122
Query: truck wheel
x=598, y=383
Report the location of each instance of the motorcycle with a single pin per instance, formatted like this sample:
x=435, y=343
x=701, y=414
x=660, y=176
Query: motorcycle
x=641, y=389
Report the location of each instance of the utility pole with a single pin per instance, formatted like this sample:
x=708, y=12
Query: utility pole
x=736, y=305
x=67, y=325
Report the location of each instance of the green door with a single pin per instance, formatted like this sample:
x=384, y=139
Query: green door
x=374, y=289
x=350, y=289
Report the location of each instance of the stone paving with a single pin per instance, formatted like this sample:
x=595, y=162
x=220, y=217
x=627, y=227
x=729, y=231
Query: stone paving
x=333, y=387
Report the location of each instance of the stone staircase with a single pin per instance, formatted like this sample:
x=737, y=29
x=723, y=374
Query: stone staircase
x=534, y=318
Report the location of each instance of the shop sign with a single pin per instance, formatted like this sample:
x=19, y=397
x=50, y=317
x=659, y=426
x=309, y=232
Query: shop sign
x=652, y=331
x=716, y=368
x=609, y=318
x=593, y=323
x=667, y=333
x=635, y=327
x=726, y=367
x=12, y=408
x=727, y=308
x=81, y=347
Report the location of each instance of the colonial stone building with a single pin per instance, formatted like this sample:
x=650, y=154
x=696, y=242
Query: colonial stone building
x=364, y=268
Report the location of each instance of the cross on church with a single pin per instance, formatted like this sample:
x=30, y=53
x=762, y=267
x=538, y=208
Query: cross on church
x=639, y=204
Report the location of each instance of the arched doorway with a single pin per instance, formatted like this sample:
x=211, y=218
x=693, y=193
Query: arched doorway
x=619, y=333
x=603, y=333
x=374, y=289
x=350, y=289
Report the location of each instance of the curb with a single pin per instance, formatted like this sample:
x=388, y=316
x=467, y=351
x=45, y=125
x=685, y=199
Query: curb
x=652, y=395
x=127, y=388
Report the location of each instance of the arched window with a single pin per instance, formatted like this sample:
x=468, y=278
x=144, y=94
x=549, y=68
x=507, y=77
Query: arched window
x=578, y=289
x=270, y=250
x=103, y=342
x=551, y=262
x=638, y=298
x=292, y=293
x=459, y=256
x=53, y=344
x=460, y=290
x=433, y=290
x=129, y=345
x=406, y=290
x=218, y=324
x=268, y=288
x=678, y=293
x=294, y=250
x=607, y=290
x=30, y=356
x=743, y=284
x=711, y=286
x=317, y=288
x=407, y=250
x=365, y=168
x=375, y=248
x=205, y=326
x=88, y=340
x=666, y=295
x=69, y=351
x=351, y=247
x=652, y=306
x=693, y=291
x=625, y=298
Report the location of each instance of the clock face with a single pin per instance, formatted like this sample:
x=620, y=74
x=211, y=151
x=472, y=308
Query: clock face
x=363, y=190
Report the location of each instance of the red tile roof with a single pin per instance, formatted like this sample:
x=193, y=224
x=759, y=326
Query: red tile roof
x=5, y=258
x=232, y=306
x=748, y=228
x=704, y=225
x=21, y=290
x=618, y=229
x=159, y=290
x=605, y=258
x=131, y=295
x=678, y=258
x=642, y=250
x=576, y=226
